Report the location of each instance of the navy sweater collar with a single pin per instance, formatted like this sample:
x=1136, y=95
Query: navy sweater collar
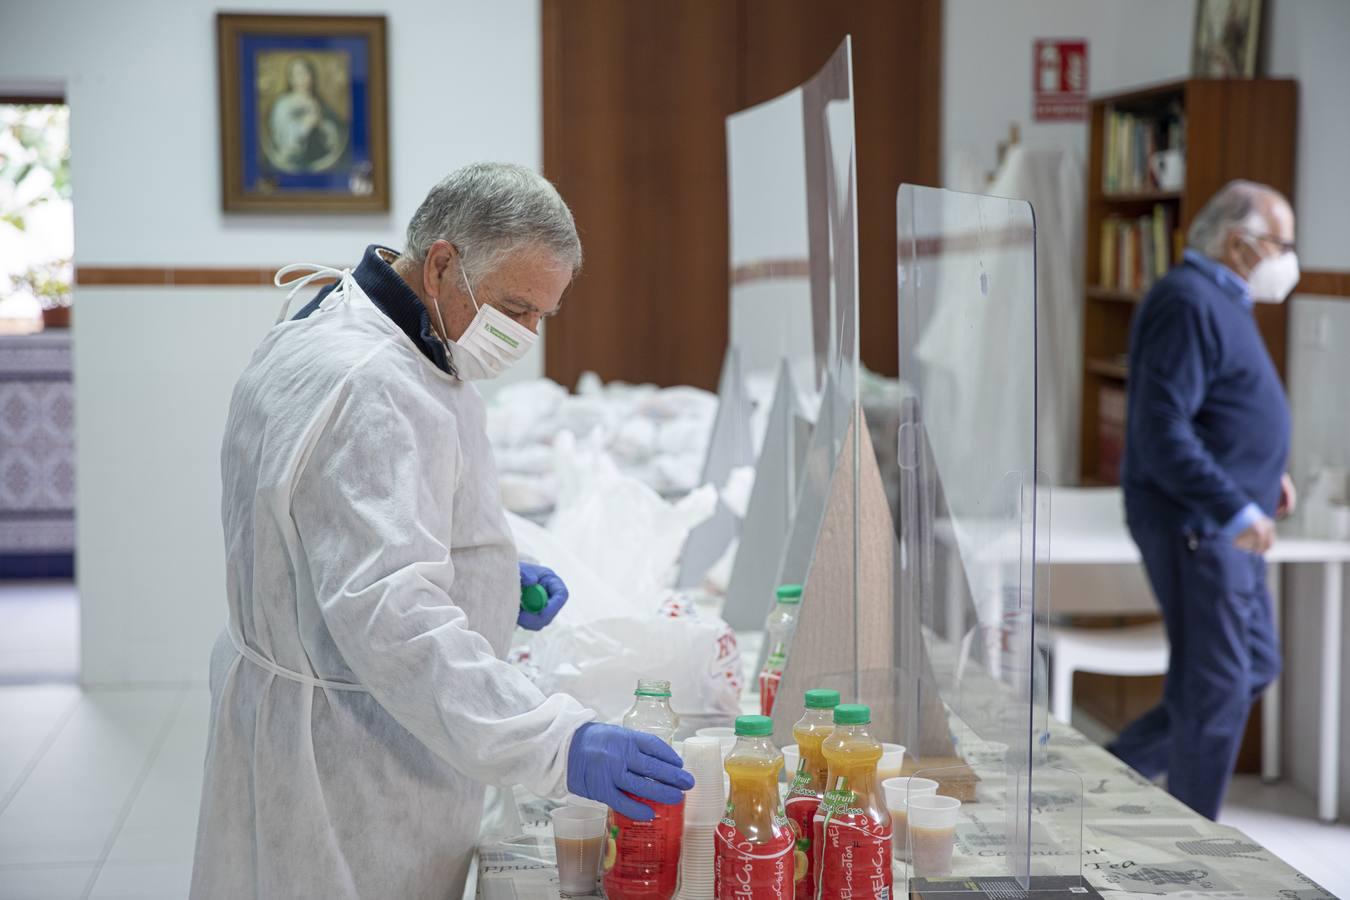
x=396, y=299
x=1230, y=282
x=393, y=297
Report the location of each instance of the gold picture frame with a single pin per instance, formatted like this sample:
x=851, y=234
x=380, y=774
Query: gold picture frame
x=304, y=113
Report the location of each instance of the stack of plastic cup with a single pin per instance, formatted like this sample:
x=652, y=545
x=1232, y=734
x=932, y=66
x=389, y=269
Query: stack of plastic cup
x=725, y=736
x=792, y=758
x=703, y=808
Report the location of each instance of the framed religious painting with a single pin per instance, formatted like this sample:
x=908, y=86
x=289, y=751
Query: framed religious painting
x=1226, y=40
x=304, y=113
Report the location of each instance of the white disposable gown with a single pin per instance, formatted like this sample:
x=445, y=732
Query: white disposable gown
x=359, y=698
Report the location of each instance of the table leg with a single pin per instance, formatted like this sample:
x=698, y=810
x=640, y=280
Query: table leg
x=1328, y=755
x=1271, y=734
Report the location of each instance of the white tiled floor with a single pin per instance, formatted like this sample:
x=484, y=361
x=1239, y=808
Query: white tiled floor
x=99, y=792
x=39, y=632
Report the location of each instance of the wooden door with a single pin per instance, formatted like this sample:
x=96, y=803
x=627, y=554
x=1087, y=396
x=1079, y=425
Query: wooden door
x=635, y=98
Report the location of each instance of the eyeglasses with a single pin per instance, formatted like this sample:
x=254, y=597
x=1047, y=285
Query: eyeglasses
x=1286, y=246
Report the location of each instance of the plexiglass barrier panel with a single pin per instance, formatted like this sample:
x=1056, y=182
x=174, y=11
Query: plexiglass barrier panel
x=793, y=315
x=972, y=534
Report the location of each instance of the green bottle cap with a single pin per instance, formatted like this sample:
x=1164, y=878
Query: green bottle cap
x=819, y=698
x=852, y=714
x=533, y=598
x=789, y=593
x=754, y=726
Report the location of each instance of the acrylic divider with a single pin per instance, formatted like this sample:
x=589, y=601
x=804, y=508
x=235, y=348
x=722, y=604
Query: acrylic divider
x=973, y=536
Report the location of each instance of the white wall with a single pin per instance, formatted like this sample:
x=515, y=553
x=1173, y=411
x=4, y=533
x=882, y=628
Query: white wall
x=987, y=85
x=154, y=366
x=1310, y=40
x=986, y=64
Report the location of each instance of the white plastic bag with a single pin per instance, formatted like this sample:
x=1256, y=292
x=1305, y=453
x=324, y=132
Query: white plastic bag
x=615, y=543
x=618, y=526
x=600, y=662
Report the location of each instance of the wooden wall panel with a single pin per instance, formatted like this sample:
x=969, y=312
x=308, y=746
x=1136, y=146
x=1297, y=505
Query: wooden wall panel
x=897, y=114
x=635, y=98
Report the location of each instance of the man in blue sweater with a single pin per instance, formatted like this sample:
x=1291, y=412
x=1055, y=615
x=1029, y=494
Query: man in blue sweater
x=1204, y=477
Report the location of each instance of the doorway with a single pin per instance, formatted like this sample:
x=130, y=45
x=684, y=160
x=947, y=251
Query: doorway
x=39, y=604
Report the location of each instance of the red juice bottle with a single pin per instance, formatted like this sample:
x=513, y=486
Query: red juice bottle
x=779, y=628
x=754, y=846
x=646, y=862
x=808, y=782
x=852, y=826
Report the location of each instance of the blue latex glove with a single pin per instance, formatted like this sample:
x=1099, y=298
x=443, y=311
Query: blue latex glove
x=607, y=763
x=557, y=595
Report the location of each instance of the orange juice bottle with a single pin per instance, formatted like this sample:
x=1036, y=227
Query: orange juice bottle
x=753, y=847
x=808, y=782
x=852, y=826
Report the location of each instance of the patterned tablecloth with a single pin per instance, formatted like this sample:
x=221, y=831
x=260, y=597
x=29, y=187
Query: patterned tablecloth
x=1137, y=841
x=37, y=455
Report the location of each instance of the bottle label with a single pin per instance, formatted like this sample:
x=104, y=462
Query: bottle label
x=801, y=806
x=749, y=871
x=646, y=854
x=769, y=679
x=854, y=851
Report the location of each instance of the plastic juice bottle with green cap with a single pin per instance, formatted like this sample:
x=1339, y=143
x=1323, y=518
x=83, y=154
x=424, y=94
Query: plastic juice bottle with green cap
x=646, y=855
x=778, y=631
x=754, y=845
x=852, y=826
x=808, y=782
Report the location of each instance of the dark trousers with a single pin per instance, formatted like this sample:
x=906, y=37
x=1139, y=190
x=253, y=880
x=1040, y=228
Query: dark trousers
x=1216, y=610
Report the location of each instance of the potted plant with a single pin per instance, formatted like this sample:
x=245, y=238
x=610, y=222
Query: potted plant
x=49, y=283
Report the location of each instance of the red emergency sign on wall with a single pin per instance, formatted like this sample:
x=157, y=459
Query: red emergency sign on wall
x=1059, y=80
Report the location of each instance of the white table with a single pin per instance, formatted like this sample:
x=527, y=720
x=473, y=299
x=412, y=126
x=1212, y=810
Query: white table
x=1087, y=527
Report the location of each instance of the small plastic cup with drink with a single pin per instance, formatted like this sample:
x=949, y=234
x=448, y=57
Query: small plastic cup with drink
x=932, y=833
x=898, y=791
x=579, y=836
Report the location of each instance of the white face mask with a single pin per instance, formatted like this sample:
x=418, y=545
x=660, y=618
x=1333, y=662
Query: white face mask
x=1273, y=278
x=491, y=344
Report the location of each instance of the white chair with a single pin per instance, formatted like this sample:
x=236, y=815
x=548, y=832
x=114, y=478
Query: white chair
x=1134, y=650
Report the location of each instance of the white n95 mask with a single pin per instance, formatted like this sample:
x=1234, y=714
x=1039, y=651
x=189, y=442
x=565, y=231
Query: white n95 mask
x=492, y=343
x=1274, y=277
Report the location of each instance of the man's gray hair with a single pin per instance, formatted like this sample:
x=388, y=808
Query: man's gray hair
x=489, y=211
x=1234, y=206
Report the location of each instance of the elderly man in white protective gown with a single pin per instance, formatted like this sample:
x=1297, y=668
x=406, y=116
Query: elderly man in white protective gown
x=360, y=702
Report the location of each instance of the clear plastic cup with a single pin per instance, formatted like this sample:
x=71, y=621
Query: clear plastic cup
x=932, y=833
x=792, y=757
x=725, y=736
x=578, y=800
x=579, y=836
x=892, y=761
x=898, y=791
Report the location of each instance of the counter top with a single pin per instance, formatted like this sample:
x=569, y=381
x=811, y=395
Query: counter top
x=1136, y=841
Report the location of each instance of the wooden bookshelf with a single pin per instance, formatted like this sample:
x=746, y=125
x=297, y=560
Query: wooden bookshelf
x=1114, y=295
x=1232, y=129
x=1140, y=197
x=1108, y=368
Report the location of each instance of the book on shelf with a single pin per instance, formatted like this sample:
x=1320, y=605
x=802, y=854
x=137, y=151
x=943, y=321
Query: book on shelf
x=1110, y=432
x=1131, y=139
x=1137, y=251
